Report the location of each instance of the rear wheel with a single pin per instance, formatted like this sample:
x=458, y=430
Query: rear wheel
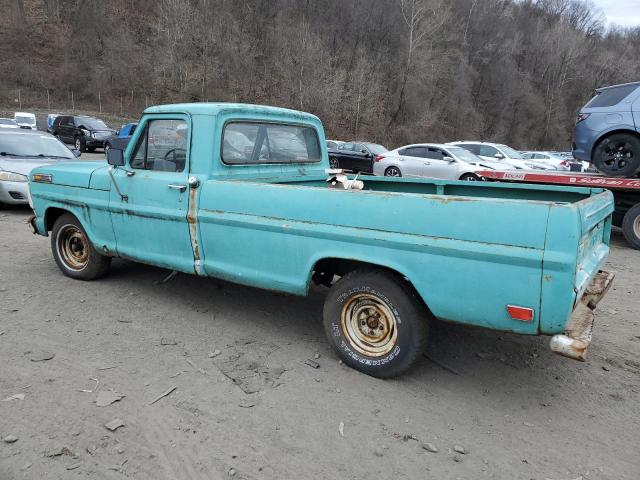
x=392, y=172
x=617, y=155
x=631, y=226
x=73, y=251
x=470, y=177
x=375, y=322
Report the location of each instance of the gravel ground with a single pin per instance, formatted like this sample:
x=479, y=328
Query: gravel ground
x=242, y=404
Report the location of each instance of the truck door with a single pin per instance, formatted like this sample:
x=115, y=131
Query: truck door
x=150, y=222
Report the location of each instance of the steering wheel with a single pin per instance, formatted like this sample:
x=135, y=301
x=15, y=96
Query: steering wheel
x=179, y=156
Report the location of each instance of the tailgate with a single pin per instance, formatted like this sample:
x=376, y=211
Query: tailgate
x=595, y=220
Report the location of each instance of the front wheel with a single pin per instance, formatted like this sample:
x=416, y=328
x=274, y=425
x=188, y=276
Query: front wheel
x=375, y=322
x=392, y=172
x=631, y=226
x=73, y=251
x=79, y=144
x=333, y=162
x=618, y=155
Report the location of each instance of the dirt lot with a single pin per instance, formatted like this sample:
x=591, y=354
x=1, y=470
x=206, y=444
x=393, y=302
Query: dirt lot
x=246, y=406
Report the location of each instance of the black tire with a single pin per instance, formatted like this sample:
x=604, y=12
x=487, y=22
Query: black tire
x=333, y=162
x=78, y=144
x=631, y=226
x=73, y=252
x=470, y=177
x=392, y=172
x=617, y=155
x=382, y=304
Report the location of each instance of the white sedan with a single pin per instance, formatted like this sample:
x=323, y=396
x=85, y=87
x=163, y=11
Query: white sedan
x=432, y=160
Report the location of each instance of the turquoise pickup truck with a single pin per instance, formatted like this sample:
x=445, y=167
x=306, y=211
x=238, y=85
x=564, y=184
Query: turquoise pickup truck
x=244, y=193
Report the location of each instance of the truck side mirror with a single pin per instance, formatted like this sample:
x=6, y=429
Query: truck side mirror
x=499, y=156
x=449, y=159
x=115, y=157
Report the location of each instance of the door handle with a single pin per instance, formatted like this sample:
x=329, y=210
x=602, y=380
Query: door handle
x=180, y=188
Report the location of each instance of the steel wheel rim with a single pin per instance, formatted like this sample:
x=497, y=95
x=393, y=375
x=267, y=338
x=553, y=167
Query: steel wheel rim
x=617, y=155
x=636, y=226
x=77, y=144
x=73, y=247
x=392, y=172
x=369, y=325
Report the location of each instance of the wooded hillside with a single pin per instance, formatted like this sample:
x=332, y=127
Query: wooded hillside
x=392, y=71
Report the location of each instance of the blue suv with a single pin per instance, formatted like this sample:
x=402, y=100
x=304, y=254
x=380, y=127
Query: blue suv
x=607, y=131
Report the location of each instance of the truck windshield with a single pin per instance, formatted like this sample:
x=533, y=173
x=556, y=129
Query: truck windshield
x=26, y=145
x=93, y=123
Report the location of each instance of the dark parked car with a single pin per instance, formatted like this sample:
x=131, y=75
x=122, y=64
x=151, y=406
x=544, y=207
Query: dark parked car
x=607, y=131
x=121, y=139
x=355, y=156
x=85, y=133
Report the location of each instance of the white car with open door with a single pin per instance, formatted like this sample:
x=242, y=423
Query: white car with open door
x=432, y=160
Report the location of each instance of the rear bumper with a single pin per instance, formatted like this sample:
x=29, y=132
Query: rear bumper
x=575, y=340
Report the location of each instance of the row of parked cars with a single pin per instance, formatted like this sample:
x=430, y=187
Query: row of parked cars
x=451, y=161
x=84, y=132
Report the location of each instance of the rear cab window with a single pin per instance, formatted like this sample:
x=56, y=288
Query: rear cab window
x=611, y=96
x=254, y=143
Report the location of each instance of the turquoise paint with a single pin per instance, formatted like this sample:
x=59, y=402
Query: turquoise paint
x=469, y=249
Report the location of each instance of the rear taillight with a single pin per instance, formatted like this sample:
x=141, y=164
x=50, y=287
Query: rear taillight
x=582, y=116
x=378, y=158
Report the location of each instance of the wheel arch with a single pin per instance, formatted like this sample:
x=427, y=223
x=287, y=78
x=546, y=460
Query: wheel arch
x=612, y=131
x=328, y=266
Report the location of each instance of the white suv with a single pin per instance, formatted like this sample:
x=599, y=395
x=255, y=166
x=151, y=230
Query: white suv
x=498, y=152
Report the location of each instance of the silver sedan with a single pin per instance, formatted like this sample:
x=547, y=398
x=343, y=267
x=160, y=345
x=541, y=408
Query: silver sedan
x=20, y=152
x=432, y=160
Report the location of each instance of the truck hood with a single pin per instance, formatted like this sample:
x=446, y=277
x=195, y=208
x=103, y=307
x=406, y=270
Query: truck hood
x=71, y=174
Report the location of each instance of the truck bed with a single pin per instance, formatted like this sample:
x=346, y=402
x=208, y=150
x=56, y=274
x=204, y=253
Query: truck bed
x=542, y=193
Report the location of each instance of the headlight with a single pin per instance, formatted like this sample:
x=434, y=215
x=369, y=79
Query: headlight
x=86, y=133
x=12, y=177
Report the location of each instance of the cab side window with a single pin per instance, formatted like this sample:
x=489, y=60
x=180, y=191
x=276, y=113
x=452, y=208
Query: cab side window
x=162, y=147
